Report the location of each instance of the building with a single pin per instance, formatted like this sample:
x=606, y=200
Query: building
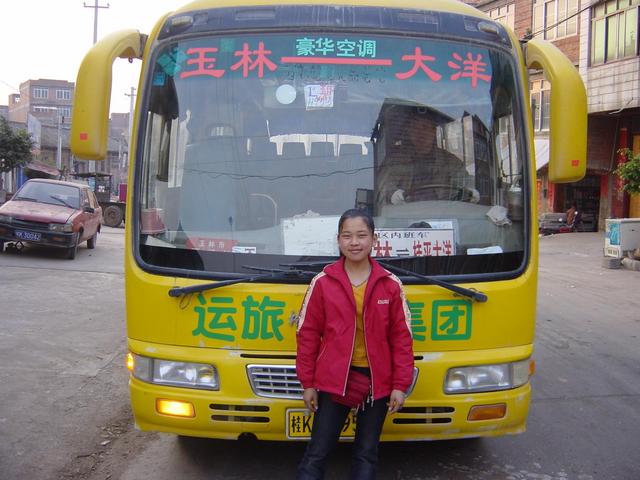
x=601, y=39
x=44, y=108
x=47, y=100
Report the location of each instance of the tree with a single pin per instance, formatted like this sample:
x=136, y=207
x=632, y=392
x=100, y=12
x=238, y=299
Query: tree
x=629, y=171
x=15, y=147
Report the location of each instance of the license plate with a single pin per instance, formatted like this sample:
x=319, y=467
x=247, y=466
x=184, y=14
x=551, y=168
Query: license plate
x=29, y=236
x=299, y=423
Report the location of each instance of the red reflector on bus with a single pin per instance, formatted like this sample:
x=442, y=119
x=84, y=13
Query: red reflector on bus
x=575, y=163
x=84, y=136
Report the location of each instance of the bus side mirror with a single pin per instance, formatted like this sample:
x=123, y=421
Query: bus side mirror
x=568, y=111
x=90, y=123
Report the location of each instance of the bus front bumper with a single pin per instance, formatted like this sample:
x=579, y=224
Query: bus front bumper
x=269, y=419
x=235, y=409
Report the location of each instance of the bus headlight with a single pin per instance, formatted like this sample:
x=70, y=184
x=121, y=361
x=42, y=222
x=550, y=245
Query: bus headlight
x=176, y=374
x=488, y=378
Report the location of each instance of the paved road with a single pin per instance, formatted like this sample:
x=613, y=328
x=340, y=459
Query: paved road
x=63, y=397
x=61, y=353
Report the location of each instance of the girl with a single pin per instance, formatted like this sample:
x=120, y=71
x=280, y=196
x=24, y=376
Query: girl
x=354, y=321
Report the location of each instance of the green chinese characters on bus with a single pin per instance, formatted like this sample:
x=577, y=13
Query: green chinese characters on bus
x=255, y=318
x=450, y=320
x=219, y=318
x=418, y=327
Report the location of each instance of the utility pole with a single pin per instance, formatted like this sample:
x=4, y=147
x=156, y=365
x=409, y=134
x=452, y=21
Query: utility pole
x=132, y=97
x=95, y=6
x=59, y=151
x=117, y=182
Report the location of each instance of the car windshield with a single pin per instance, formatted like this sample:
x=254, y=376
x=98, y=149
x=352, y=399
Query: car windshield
x=255, y=145
x=53, y=193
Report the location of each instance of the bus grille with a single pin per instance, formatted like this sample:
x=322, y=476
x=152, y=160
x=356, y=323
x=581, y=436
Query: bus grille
x=239, y=413
x=274, y=381
x=424, y=415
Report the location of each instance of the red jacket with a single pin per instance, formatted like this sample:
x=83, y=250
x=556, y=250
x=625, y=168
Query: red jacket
x=327, y=326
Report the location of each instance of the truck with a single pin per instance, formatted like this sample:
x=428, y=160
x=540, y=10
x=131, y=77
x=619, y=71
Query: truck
x=257, y=124
x=113, y=207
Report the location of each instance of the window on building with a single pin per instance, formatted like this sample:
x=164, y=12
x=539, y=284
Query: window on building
x=553, y=19
x=64, y=112
x=614, y=31
x=63, y=94
x=504, y=14
x=540, y=104
x=39, y=92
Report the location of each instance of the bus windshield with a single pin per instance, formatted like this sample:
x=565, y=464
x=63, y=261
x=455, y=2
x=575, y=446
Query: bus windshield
x=254, y=145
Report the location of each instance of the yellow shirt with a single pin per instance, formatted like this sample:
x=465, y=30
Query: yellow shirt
x=359, y=348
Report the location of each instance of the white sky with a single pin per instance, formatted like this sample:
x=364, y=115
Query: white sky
x=49, y=38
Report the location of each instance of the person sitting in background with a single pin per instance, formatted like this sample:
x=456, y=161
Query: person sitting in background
x=571, y=214
x=423, y=170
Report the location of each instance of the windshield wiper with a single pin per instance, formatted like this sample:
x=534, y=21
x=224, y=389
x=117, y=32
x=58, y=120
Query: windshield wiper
x=296, y=271
x=467, y=292
x=274, y=274
x=62, y=201
x=27, y=199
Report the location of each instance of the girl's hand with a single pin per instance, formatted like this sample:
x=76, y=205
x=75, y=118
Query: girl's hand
x=310, y=397
x=396, y=401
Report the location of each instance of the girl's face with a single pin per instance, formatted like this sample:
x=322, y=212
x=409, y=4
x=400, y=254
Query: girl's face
x=355, y=239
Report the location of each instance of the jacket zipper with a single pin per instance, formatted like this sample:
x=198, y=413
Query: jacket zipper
x=366, y=348
x=353, y=346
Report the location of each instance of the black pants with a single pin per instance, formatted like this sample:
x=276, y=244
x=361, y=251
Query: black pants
x=327, y=424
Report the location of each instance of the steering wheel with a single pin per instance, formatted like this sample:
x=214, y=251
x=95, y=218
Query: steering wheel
x=426, y=192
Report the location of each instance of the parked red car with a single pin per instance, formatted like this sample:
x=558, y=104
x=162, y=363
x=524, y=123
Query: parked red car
x=53, y=213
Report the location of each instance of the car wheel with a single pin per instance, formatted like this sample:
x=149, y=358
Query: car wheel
x=1, y=246
x=91, y=243
x=71, y=252
x=112, y=216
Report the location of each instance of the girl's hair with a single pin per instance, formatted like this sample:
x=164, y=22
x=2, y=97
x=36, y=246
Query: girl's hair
x=357, y=213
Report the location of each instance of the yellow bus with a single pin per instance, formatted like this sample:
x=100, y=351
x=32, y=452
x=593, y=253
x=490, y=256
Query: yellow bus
x=256, y=125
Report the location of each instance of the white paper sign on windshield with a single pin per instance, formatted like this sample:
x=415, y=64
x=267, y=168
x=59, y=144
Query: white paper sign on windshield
x=318, y=96
x=423, y=242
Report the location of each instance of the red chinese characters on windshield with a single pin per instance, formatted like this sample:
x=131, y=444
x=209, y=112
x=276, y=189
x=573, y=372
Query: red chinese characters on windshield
x=472, y=68
x=419, y=60
x=252, y=59
x=417, y=243
x=202, y=61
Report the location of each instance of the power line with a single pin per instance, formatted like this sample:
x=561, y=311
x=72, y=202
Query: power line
x=10, y=86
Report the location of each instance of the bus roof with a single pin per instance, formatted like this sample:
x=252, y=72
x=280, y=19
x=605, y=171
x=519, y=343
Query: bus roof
x=453, y=6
